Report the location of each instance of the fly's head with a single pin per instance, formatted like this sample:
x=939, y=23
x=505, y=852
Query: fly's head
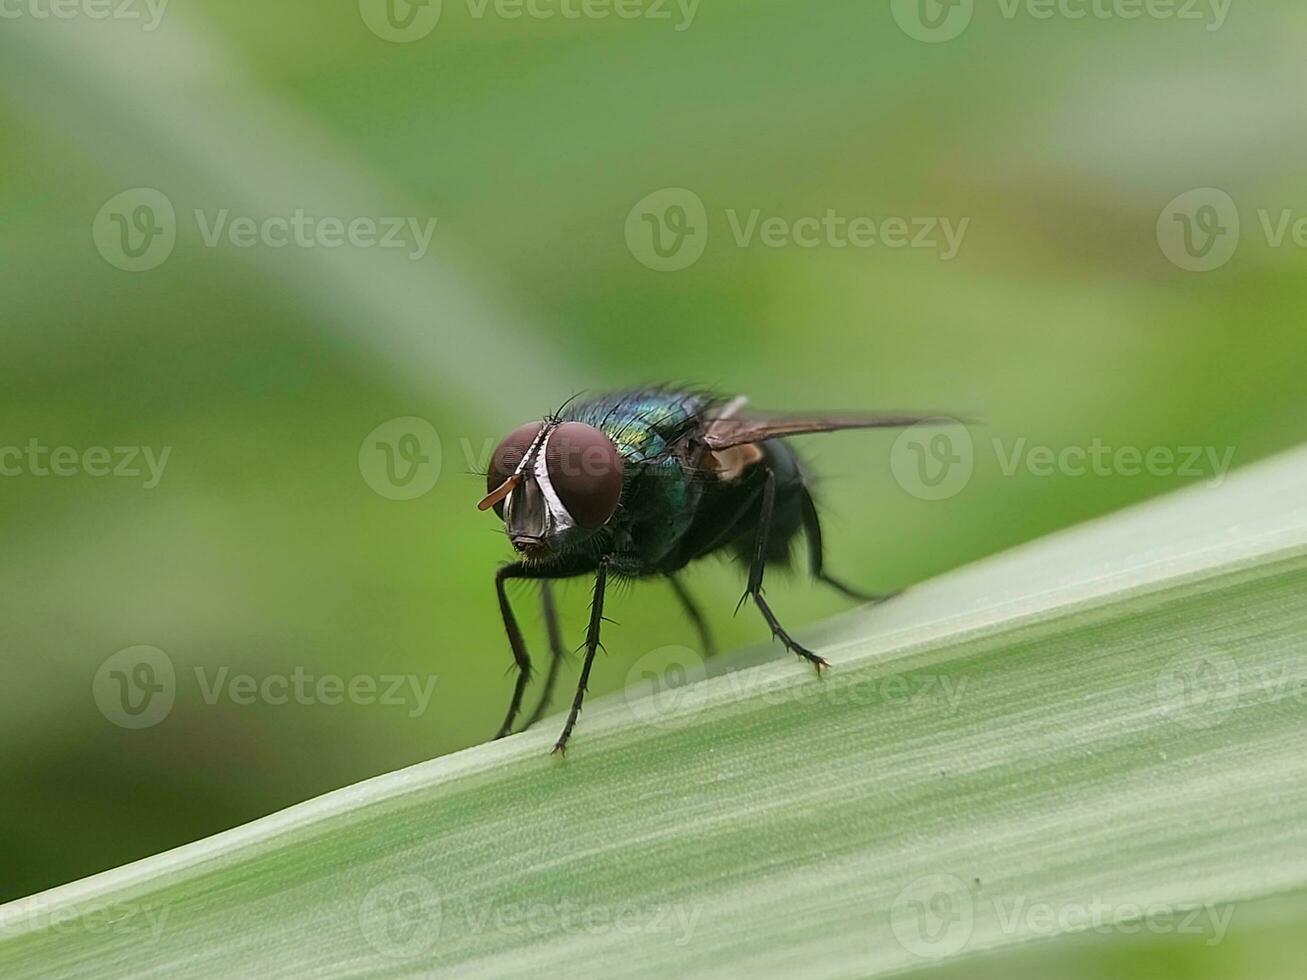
x=554, y=484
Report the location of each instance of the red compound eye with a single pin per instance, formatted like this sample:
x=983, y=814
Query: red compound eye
x=508, y=457
x=585, y=469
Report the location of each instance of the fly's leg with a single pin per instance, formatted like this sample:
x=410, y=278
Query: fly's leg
x=695, y=615
x=591, y=645
x=759, y=565
x=556, y=652
x=812, y=531
x=520, y=656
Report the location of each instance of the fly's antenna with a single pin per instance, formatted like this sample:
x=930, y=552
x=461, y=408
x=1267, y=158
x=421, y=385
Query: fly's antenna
x=499, y=493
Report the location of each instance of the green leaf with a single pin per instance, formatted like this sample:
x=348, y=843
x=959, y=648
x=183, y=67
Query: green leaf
x=1098, y=727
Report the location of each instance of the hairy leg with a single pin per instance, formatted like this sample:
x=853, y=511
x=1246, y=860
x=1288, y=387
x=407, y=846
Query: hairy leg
x=759, y=565
x=591, y=645
x=556, y=652
x=816, y=556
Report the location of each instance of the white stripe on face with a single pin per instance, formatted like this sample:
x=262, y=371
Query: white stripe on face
x=536, y=445
x=559, y=517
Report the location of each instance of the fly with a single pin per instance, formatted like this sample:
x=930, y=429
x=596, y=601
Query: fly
x=638, y=484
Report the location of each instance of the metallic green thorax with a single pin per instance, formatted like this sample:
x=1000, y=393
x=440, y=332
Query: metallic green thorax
x=660, y=493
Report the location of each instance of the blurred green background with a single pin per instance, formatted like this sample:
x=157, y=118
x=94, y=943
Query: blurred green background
x=264, y=547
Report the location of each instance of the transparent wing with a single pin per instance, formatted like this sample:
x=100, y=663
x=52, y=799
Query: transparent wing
x=735, y=428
